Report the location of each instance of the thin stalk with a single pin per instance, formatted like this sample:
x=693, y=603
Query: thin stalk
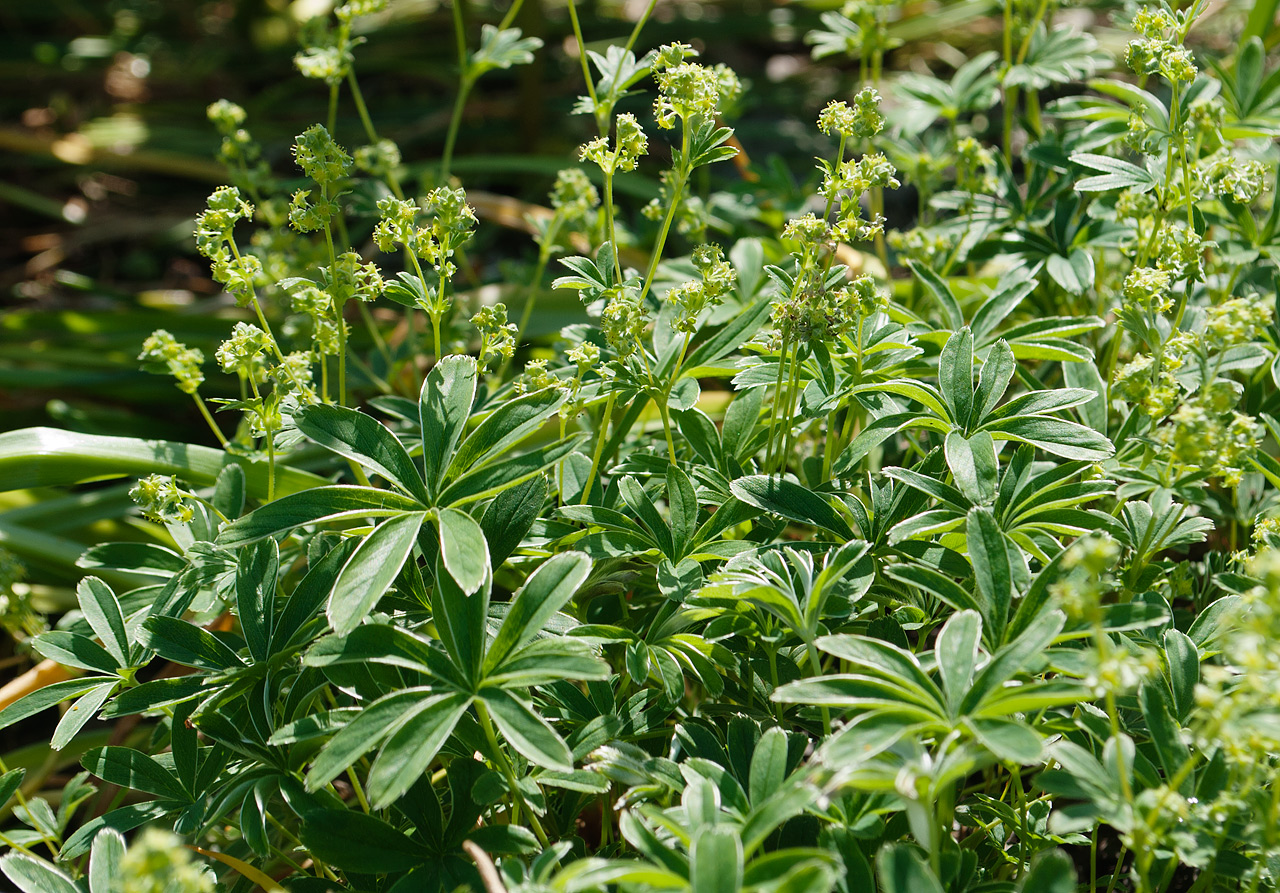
x=504, y=765
x=816, y=663
x=464, y=88
x=777, y=397
x=378, y=341
x=677, y=193
x=213, y=426
x=582, y=51
x=601, y=436
x=610, y=230
x=359, y=791
x=793, y=384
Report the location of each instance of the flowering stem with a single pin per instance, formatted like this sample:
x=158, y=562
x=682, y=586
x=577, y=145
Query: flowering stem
x=777, y=399
x=464, y=88
x=601, y=436
x=213, y=426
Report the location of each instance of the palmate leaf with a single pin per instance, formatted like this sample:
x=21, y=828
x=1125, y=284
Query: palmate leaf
x=1117, y=174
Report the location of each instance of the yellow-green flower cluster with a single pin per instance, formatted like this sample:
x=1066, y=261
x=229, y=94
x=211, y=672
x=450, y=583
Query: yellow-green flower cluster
x=688, y=90
x=630, y=144
x=451, y=224
x=380, y=159
x=1159, y=49
x=862, y=120
x=692, y=297
x=320, y=158
x=497, y=336
x=157, y=862
x=243, y=353
x=161, y=499
x=164, y=354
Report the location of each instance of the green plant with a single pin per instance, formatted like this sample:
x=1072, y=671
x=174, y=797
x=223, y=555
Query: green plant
x=948, y=565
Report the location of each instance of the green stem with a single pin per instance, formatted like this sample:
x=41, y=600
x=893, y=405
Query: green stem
x=504, y=765
x=582, y=51
x=464, y=88
x=777, y=399
x=601, y=436
x=213, y=426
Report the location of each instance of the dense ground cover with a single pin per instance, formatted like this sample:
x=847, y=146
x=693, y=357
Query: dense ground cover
x=650, y=509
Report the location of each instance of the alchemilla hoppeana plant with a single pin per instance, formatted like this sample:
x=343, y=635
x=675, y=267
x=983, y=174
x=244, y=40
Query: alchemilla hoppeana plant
x=915, y=528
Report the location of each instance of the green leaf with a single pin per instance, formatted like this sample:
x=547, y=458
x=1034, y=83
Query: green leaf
x=72, y=650
x=104, y=861
x=444, y=406
x=360, y=438
x=187, y=644
x=956, y=654
x=1061, y=438
x=1171, y=750
x=936, y=286
x=1013, y=657
x=683, y=502
x=31, y=875
x=768, y=765
x=412, y=747
x=460, y=622
x=505, y=427
x=353, y=841
x=955, y=376
x=10, y=782
x=80, y=713
x=1051, y=872
x=371, y=570
x=463, y=549
x=133, y=769
x=531, y=735
x=993, y=381
x=509, y=517
x=939, y=586
x=1117, y=174
x=1009, y=740
x=715, y=860
x=257, y=567
x=148, y=559
x=313, y=506
x=377, y=721
x=793, y=502
x=992, y=567
x=49, y=457
x=546, y=591
x=973, y=464
x=102, y=609
x=902, y=869
x=1183, y=660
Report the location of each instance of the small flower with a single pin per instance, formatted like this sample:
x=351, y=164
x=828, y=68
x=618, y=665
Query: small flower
x=161, y=499
x=381, y=159
x=162, y=353
x=241, y=352
x=320, y=158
